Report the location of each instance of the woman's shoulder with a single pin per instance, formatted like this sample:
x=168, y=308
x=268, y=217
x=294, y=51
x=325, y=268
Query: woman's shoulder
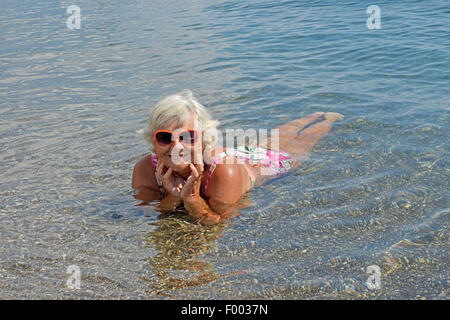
x=224, y=164
x=227, y=180
x=146, y=161
x=144, y=173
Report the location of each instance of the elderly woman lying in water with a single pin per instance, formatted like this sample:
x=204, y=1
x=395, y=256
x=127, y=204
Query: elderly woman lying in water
x=186, y=167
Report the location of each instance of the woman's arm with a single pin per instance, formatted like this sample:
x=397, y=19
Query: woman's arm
x=144, y=181
x=228, y=183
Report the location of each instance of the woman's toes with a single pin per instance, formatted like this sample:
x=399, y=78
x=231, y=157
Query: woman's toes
x=334, y=116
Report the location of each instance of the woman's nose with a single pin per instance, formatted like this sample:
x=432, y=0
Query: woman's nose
x=177, y=145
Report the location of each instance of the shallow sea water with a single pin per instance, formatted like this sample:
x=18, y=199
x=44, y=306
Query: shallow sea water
x=374, y=191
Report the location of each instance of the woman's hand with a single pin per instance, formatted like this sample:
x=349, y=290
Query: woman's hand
x=192, y=186
x=197, y=207
x=171, y=183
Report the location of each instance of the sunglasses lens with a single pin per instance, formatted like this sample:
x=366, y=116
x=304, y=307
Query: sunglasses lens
x=164, y=138
x=188, y=137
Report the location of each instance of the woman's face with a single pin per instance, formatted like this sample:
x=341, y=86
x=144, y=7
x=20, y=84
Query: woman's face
x=179, y=155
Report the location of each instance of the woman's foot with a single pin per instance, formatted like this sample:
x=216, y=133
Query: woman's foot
x=333, y=116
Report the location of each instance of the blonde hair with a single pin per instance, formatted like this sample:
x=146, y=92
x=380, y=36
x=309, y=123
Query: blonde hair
x=177, y=107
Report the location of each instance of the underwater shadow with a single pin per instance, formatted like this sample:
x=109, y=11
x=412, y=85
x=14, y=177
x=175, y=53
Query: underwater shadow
x=181, y=245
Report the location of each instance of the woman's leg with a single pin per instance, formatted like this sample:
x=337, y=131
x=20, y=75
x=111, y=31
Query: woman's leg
x=290, y=129
x=298, y=139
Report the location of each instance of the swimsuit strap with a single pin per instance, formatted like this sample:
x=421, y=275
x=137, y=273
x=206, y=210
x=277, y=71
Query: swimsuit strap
x=213, y=167
x=155, y=162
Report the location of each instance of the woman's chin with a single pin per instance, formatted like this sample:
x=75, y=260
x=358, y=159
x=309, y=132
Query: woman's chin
x=180, y=166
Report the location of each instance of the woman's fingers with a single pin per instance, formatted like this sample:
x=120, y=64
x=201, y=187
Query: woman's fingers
x=198, y=161
x=194, y=171
x=175, y=184
x=199, y=168
x=159, y=167
x=188, y=187
x=166, y=176
x=195, y=174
